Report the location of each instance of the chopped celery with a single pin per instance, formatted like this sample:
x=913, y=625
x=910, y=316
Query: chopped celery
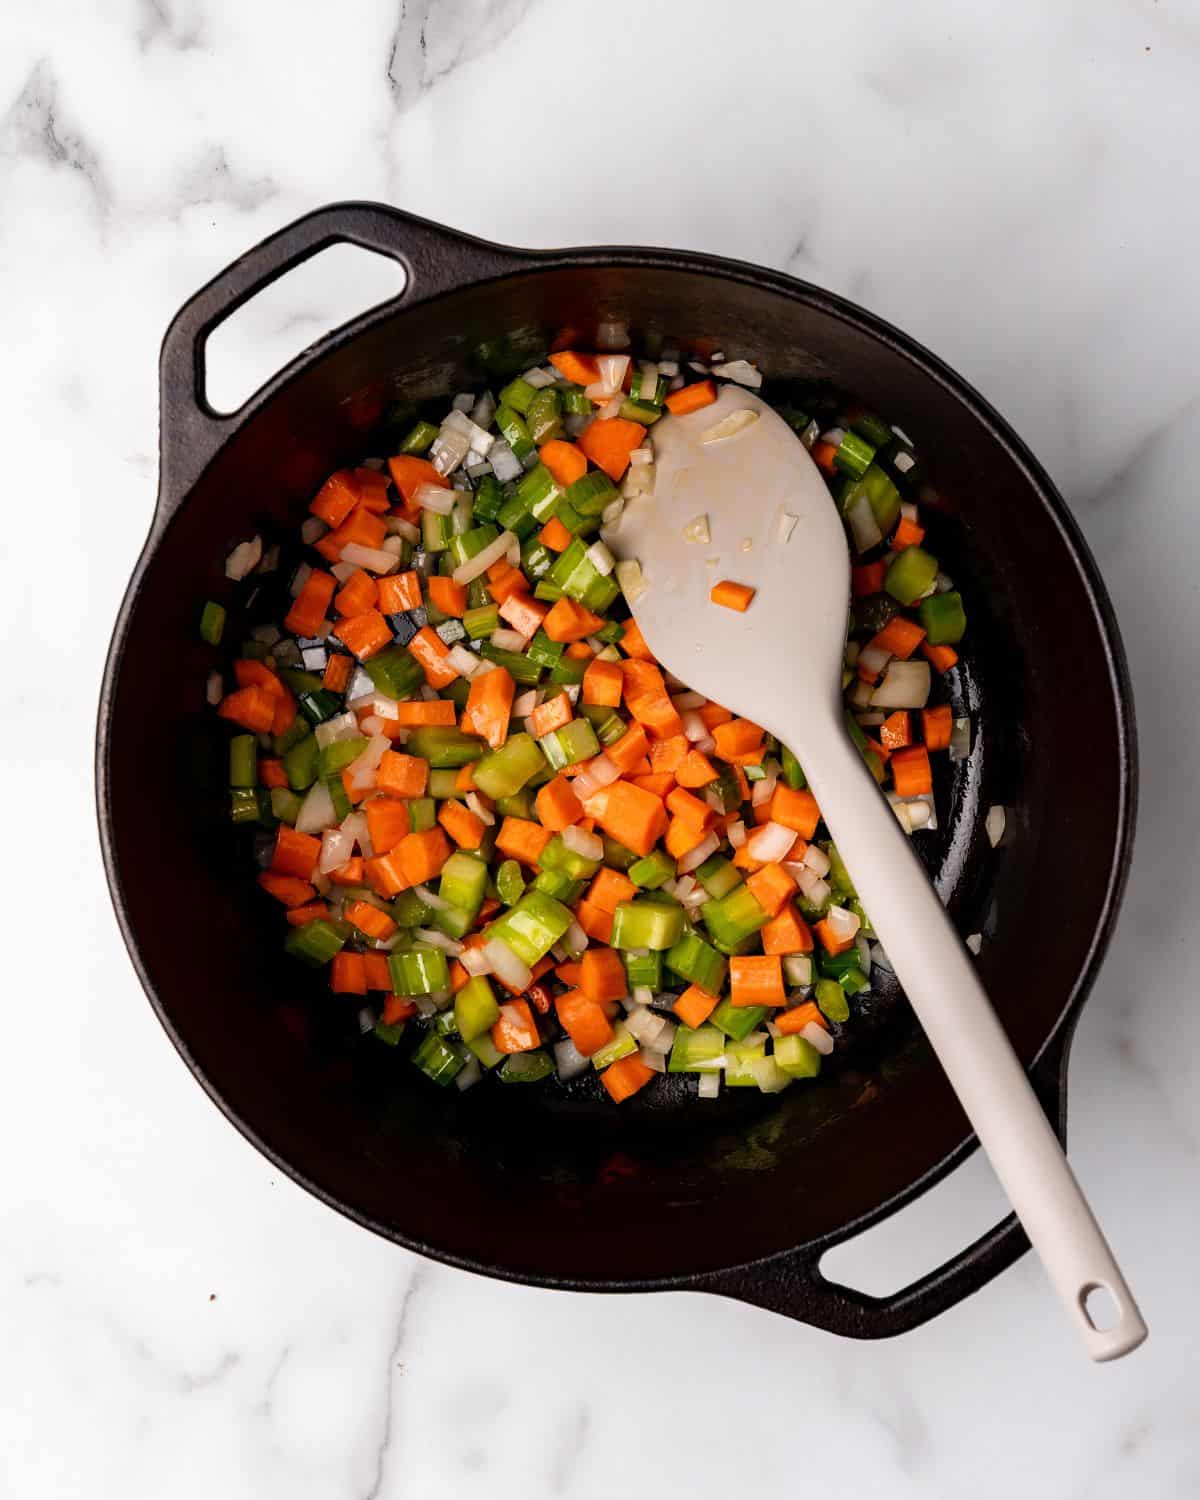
x=395, y=672
x=558, y=856
x=647, y=922
x=243, y=760
x=422, y=814
x=527, y=1067
x=654, y=870
x=419, y=439
x=319, y=706
x=419, y=971
x=436, y=531
x=482, y=622
x=544, y=416
x=717, y=875
x=910, y=574
x=245, y=805
x=884, y=497
x=543, y=650
x=503, y=772
x=592, y=493
x=443, y=746
x=486, y=1050
x=463, y=882
x=560, y=885
x=733, y=918
x=333, y=759
x=944, y=618
x=519, y=666
x=285, y=804
x=798, y=1058
x=408, y=910
x=444, y=785
x=519, y=805
x=510, y=883
x=316, y=943
x=644, y=412
x=536, y=558
x=439, y=1059
x=300, y=763
x=793, y=774
x=739, y=1055
x=539, y=492
x=737, y=1021
x=532, y=927
x=696, y=961
x=622, y=1044
x=212, y=622
x=489, y=498
x=696, y=1051
x=567, y=746
x=616, y=856
x=475, y=1008
x=831, y=998
x=568, y=669
x=462, y=548
x=518, y=394
x=514, y=431
x=854, y=455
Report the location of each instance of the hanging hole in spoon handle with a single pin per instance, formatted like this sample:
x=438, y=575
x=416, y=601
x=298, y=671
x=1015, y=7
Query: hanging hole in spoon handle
x=944, y=990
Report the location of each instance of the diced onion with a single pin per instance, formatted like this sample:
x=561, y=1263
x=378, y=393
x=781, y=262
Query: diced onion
x=905, y=684
x=586, y=845
x=639, y=481
x=975, y=942
x=475, y=566
x=398, y=526
x=816, y=860
x=694, y=858
x=525, y=703
x=539, y=377
x=798, y=969
x=787, y=524
x=688, y=700
x=994, y=824
x=475, y=961
x=437, y=939
x=960, y=739
x=355, y=824
x=612, y=368
x=448, y=450
x=736, y=834
x=729, y=426
x=375, y=559
x=599, y=773
x=337, y=846
x=611, y=514
x=575, y=940
x=464, y=662
x=244, y=558
x=843, y=924
x=485, y=815
x=644, y=1025
x=740, y=370
x=694, y=727
x=816, y=1036
x=655, y=1061
x=764, y=789
x=642, y=455
x=340, y=727
x=214, y=688
x=569, y=1061
x=600, y=558
x=505, y=463
x=629, y=576
x=312, y=529
x=316, y=811
x=430, y=898
x=366, y=764
x=697, y=530
x=864, y=525
x=509, y=640
x=770, y=842
x=879, y=957
x=709, y=1085
x=468, y=1077
x=344, y=571
x=872, y=660
x=435, y=497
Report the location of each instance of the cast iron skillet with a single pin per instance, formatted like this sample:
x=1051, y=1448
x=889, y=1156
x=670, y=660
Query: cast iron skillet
x=562, y=1189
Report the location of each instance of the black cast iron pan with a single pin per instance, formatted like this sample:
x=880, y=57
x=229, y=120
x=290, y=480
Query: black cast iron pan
x=740, y=1197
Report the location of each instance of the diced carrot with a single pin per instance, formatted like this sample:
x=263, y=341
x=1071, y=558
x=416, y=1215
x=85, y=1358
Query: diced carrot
x=489, y=706
x=309, y=606
x=409, y=473
x=295, y=853
x=633, y=817
x=505, y=579
x=937, y=725
x=422, y=855
x=523, y=612
x=557, y=805
x=271, y=773
x=691, y=397
x=336, y=498
x=247, y=671
x=695, y=1006
x=357, y=595
x=866, y=579
x=516, y=1030
x=602, y=975
x=583, y=1019
x=387, y=820
x=756, y=980
x=415, y=713
x=464, y=827
x=351, y=873
x=568, y=621
x=907, y=534
x=448, y=596
x=686, y=805
x=771, y=887
x=642, y=768
x=431, y=651
x=361, y=527
x=369, y=919
x=377, y=973
x=566, y=463
x=787, y=933
x=737, y=737
x=899, y=636
x=402, y=775
x=730, y=595
x=465, y=781
x=554, y=534
x=347, y=974
x=366, y=634
x=683, y=836
x=629, y=749
x=337, y=672
x=252, y=707
x=633, y=642
x=658, y=785
x=829, y=940
x=397, y=1010
x=896, y=730
x=942, y=657
x=668, y=754
x=579, y=651
x=298, y=916
x=791, y=1021
x=384, y=873
x=290, y=889
x=712, y=714
x=399, y=592
x=523, y=840
x=609, y=888
x=911, y=772
x=628, y=1074
x=795, y=810
x=552, y=714
x=602, y=684
x=581, y=369
x=372, y=488
x=823, y=456
x=608, y=442
x=569, y=974
x=647, y=699
x=695, y=770
x=595, y=921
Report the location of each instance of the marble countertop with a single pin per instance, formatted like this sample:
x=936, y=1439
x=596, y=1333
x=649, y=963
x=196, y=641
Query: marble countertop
x=1015, y=189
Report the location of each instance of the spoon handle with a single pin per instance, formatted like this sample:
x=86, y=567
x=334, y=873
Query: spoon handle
x=943, y=988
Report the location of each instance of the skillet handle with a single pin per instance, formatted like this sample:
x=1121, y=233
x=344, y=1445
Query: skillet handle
x=435, y=259
x=792, y=1284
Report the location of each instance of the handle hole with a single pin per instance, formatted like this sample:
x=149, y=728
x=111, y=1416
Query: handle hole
x=263, y=335
x=1100, y=1307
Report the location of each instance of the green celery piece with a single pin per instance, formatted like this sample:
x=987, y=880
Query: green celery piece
x=481, y=622
x=855, y=905
x=245, y=805
x=300, y=763
x=838, y=879
x=557, y=856
x=337, y=795
x=581, y=580
x=854, y=980
x=573, y=521
x=567, y=746
x=544, y=416
x=488, y=499
x=616, y=856
x=454, y=921
x=470, y=543
x=475, y=1008
x=876, y=484
x=873, y=428
x=696, y=1051
x=390, y=1034
x=212, y=622
x=518, y=394
x=608, y=724
x=652, y=871
x=503, y=772
x=539, y=492
x=543, y=650
x=831, y=998
x=316, y=943
x=532, y=927
x=944, y=618
x=622, y=1044
x=647, y=922
x=443, y=746
x=560, y=885
x=834, y=965
x=733, y=918
x=591, y=494
x=408, y=910
x=739, y=1055
x=457, y=692
x=300, y=681
x=575, y=402
x=463, y=882
x=439, y=1059
x=793, y=774
x=443, y=785
x=510, y=883
x=395, y=672
x=717, y=875
x=334, y=758
x=727, y=789
x=292, y=735
x=737, y=1021
x=644, y=412
x=547, y=592
x=527, y=1067
x=514, y=431
x=699, y=963
x=568, y=669
x=243, y=760
x=436, y=531
x=644, y=969
x=911, y=574
x=536, y=558
x=520, y=667
x=797, y=1057
x=519, y=805
x=319, y=706
x=419, y=971
x=422, y=814
x=419, y=439
x=486, y=1050
x=285, y=804
x=854, y=455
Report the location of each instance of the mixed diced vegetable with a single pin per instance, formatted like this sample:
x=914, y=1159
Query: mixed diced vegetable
x=511, y=838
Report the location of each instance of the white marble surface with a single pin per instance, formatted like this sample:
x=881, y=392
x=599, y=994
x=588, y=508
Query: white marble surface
x=1017, y=188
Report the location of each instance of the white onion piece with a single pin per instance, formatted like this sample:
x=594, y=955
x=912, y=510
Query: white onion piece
x=464, y=662
x=372, y=725
x=575, y=940
x=374, y=559
x=864, y=953
x=642, y=455
x=694, y=858
x=509, y=640
x=316, y=811
x=312, y=529
x=787, y=524
x=437, y=939
x=816, y=860
x=611, y=408
x=505, y=463
x=905, y=684
x=475, y=961
x=586, y=845
x=244, y=558
x=214, y=688
x=398, y=526
x=475, y=566
x=629, y=576
x=344, y=571
x=681, y=888
x=870, y=721
x=525, y=703
x=655, y=1061
x=960, y=739
x=843, y=924
x=468, y=1077
x=817, y=1037
x=684, y=702
x=709, y=1085
x=798, y=969
x=909, y=511
x=863, y=525
x=871, y=659
x=770, y=842
x=694, y=727
x=861, y=694
x=355, y=824
x=363, y=767
x=730, y=426
x=818, y=893
x=736, y=834
x=994, y=824
x=612, y=368
x=600, y=558
x=665, y=1039
x=763, y=790
x=768, y=1075
x=568, y=1060
x=639, y=481
x=975, y=942
x=611, y=514
x=448, y=450
x=430, y=898
x=643, y=1024
x=484, y=813
x=337, y=846
x=599, y=772
x=834, y=436
x=340, y=727
x=435, y=497
x=740, y=370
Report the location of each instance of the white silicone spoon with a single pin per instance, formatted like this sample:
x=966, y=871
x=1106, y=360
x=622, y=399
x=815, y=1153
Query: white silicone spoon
x=773, y=526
